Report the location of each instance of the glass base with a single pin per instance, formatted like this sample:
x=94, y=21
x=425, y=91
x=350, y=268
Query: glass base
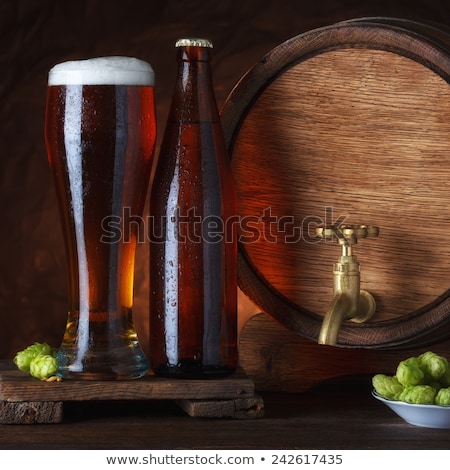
x=123, y=364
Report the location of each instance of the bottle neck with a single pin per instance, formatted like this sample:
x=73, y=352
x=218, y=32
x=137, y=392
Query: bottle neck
x=194, y=99
x=194, y=54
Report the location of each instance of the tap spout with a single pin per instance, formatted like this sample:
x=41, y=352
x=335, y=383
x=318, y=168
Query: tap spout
x=349, y=302
x=340, y=308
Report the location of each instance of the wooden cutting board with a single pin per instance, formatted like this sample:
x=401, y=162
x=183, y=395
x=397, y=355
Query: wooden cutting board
x=25, y=400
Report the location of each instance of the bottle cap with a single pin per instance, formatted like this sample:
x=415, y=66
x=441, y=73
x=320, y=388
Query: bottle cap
x=196, y=42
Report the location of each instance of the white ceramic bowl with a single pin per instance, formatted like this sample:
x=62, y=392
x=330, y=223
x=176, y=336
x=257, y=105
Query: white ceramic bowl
x=427, y=416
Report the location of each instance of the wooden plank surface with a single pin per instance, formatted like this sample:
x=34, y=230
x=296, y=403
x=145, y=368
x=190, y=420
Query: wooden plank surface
x=17, y=386
x=239, y=408
x=31, y=412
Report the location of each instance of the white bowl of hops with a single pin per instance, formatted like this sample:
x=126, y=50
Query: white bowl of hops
x=419, y=392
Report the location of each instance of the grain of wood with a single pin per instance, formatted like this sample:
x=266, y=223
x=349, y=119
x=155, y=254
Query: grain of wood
x=16, y=386
x=240, y=408
x=40, y=412
x=25, y=400
x=277, y=359
x=349, y=123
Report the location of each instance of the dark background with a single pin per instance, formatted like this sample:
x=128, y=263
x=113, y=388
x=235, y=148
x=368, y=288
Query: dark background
x=36, y=34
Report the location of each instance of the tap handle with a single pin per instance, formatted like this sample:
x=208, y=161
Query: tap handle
x=347, y=234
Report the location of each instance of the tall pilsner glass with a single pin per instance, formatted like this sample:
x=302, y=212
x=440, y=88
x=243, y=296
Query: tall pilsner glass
x=100, y=134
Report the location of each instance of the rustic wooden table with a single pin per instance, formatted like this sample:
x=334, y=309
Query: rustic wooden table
x=338, y=414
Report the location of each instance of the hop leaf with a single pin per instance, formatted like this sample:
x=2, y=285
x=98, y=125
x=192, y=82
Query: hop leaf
x=43, y=366
x=23, y=358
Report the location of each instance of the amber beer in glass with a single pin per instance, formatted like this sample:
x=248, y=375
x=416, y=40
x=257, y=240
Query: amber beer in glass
x=100, y=135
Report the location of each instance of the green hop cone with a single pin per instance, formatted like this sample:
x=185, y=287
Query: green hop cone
x=43, y=366
x=433, y=365
x=409, y=372
x=418, y=394
x=23, y=358
x=443, y=397
x=387, y=386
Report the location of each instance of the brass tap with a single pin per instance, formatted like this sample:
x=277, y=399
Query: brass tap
x=349, y=302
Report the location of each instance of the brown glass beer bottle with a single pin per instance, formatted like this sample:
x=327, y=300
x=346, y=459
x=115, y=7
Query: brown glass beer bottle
x=193, y=232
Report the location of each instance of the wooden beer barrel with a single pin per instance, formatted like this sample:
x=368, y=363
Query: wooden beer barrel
x=347, y=123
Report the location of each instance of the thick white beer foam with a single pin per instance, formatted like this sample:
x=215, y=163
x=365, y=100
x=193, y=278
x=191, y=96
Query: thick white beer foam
x=113, y=70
